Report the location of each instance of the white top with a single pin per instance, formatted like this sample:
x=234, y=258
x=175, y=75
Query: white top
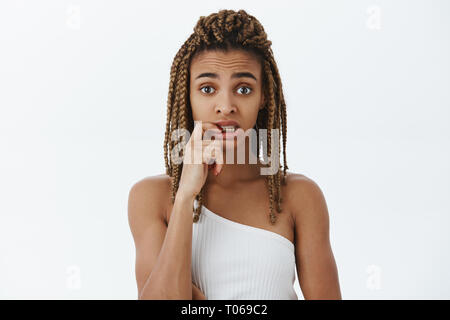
x=234, y=261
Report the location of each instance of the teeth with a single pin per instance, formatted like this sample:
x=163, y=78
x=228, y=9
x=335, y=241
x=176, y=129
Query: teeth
x=228, y=128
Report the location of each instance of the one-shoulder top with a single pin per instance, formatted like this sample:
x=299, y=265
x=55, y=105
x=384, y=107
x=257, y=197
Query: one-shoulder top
x=234, y=261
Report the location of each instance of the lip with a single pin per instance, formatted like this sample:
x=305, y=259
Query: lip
x=227, y=123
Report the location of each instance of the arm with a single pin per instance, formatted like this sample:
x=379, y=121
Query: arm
x=163, y=253
x=316, y=266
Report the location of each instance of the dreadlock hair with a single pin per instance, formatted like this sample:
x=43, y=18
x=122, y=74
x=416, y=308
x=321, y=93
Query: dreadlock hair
x=226, y=30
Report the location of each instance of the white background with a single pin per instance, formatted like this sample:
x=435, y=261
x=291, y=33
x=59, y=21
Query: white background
x=83, y=92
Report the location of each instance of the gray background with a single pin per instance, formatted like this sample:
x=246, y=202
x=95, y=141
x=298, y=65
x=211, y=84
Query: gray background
x=83, y=89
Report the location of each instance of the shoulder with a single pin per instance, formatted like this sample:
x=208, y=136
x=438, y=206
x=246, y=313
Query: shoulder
x=149, y=195
x=159, y=180
x=304, y=197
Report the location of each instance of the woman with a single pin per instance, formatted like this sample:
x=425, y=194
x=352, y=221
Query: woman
x=220, y=229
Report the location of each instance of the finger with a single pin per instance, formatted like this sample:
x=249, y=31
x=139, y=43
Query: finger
x=197, y=133
x=218, y=159
x=195, y=145
x=210, y=125
x=212, y=132
x=218, y=169
x=212, y=152
x=208, y=154
x=218, y=152
x=207, y=127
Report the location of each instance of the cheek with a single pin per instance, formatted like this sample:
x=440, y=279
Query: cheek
x=200, y=108
x=200, y=101
x=249, y=118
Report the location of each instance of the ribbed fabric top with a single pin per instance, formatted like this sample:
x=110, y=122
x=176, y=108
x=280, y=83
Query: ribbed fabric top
x=233, y=261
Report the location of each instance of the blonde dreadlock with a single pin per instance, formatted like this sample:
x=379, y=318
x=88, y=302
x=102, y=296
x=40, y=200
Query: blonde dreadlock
x=225, y=30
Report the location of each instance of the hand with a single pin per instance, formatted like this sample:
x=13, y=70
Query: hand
x=209, y=152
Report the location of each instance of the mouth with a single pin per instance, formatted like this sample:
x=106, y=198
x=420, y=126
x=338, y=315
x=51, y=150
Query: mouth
x=229, y=132
x=228, y=129
x=227, y=125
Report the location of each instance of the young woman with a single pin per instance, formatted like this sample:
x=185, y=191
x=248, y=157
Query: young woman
x=221, y=229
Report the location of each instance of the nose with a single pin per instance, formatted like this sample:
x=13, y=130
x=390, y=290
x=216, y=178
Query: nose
x=226, y=110
x=225, y=105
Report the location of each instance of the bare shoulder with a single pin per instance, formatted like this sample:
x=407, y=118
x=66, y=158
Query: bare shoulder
x=146, y=206
x=303, y=195
x=299, y=184
x=150, y=195
x=316, y=267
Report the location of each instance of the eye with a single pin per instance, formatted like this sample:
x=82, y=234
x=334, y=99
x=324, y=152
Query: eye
x=247, y=90
x=207, y=91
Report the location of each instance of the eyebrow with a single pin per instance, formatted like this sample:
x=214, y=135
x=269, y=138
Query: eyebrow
x=233, y=76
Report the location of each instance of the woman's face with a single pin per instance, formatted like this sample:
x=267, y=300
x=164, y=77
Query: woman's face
x=226, y=86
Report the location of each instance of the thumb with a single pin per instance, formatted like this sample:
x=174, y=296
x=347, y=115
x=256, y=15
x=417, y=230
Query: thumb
x=218, y=169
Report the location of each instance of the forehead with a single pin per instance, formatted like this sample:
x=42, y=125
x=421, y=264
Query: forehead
x=225, y=61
